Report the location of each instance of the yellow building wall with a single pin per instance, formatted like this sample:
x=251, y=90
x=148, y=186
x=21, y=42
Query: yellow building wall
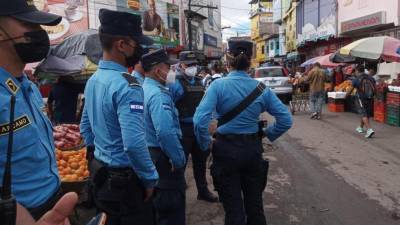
x=290, y=34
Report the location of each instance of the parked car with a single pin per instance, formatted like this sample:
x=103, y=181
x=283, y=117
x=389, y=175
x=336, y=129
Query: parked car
x=277, y=79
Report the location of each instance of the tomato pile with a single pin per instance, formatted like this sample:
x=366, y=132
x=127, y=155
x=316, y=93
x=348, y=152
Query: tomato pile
x=67, y=136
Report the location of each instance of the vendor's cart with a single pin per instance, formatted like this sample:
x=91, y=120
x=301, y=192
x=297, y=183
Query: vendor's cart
x=300, y=99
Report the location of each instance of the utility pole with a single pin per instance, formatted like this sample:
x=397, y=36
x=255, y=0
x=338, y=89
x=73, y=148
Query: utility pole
x=189, y=20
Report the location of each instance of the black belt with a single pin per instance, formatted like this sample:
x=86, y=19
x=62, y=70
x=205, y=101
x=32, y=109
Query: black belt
x=250, y=137
x=119, y=170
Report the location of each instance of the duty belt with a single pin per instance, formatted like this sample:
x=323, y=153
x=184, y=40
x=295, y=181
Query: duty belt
x=248, y=137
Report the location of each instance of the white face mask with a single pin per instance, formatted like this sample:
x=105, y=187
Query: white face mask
x=171, y=77
x=191, y=71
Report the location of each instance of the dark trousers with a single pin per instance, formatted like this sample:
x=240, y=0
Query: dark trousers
x=120, y=194
x=239, y=174
x=199, y=157
x=48, y=205
x=169, y=199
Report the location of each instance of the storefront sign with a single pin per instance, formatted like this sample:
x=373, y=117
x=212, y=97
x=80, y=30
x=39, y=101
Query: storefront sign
x=210, y=40
x=324, y=31
x=364, y=22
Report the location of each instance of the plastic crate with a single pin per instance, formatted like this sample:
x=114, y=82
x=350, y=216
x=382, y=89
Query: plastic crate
x=336, y=101
x=332, y=107
x=379, y=117
x=379, y=106
x=393, y=111
x=393, y=121
x=380, y=96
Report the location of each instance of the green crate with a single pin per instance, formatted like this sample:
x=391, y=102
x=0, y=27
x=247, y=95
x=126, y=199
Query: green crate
x=394, y=121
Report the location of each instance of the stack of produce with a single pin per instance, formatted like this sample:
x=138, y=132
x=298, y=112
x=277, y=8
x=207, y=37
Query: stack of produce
x=72, y=165
x=379, y=102
x=346, y=86
x=67, y=137
x=393, y=108
x=335, y=105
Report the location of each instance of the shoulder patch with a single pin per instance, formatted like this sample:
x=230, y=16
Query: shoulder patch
x=18, y=124
x=136, y=107
x=12, y=86
x=167, y=106
x=131, y=80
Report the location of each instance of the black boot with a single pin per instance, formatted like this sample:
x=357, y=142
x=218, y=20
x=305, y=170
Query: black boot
x=207, y=196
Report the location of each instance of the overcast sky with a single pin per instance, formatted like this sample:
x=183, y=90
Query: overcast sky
x=235, y=13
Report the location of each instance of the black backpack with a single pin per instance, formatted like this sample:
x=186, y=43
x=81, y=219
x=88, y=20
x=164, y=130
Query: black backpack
x=367, y=87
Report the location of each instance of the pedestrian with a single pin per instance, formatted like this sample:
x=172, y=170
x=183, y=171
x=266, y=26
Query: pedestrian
x=238, y=170
x=365, y=85
x=122, y=173
x=64, y=95
x=187, y=93
x=163, y=137
x=23, y=41
x=316, y=79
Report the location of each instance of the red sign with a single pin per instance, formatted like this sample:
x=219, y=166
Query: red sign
x=364, y=22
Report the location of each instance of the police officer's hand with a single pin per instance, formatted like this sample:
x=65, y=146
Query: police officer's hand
x=148, y=194
x=56, y=216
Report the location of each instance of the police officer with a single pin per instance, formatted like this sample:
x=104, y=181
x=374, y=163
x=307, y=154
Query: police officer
x=187, y=93
x=138, y=71
x=122, y=173
x=22, y=41
x=238, y=170
x=163, y=138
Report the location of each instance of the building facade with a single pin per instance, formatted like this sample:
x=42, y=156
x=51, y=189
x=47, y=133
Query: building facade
x=261, y=28
x=364, y=18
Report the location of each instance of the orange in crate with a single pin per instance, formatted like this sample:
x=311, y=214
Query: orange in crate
x=332, y=107
x=72, y=165
x=379, y=107
x=379, y=117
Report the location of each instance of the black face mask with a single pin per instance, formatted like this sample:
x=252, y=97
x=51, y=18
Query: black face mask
x=135, y=58
x=35, y=49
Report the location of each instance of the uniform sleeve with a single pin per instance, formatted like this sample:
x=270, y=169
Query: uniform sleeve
x=86, y=129
x=203, y=116
x=176, y=91
x=283, y=118
x=131, y=116
x=161, y=110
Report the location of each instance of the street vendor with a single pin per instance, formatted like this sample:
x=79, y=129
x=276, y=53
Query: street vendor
x=35, y=181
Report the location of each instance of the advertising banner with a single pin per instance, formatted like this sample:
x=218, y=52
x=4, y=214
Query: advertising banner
x=74, y=13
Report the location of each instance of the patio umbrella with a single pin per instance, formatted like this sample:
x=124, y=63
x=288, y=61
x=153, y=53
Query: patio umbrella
x=339, y=58
x=323, y=60
x=374, y=48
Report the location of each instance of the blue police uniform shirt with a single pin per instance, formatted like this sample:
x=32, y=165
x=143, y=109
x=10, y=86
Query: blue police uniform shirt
x=224, y=94
x=177, y=92
x=139, y=77
x=112, y=120
x=162, y=123
x=34, y=170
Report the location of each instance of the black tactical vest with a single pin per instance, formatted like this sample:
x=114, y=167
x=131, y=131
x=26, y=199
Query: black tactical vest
x=193, y=93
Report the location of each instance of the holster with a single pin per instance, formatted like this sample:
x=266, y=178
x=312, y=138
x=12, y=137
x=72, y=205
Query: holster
x=98, y=173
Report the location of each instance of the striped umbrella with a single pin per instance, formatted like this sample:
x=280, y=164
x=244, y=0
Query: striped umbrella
x=323, y=60
x=374, y=48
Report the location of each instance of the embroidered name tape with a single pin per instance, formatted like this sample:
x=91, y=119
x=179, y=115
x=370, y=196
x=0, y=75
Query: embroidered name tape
x=137, y=107
x=167, y=106
x=18, y=124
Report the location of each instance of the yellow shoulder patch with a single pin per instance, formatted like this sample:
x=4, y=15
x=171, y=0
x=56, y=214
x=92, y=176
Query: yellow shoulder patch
x=12, y=86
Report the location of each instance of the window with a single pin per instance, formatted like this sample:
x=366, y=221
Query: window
x=263, y=49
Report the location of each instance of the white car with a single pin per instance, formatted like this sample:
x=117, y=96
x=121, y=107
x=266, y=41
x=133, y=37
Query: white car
x=275, y=78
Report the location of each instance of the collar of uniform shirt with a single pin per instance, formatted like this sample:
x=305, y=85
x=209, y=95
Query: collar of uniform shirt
x=238, y=73
x=110, y=65
x=152, y=81
x=4, y=75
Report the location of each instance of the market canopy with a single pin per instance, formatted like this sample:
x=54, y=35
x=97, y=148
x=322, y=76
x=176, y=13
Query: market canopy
x=339, y=58
x=374, y=48
x=323, y=60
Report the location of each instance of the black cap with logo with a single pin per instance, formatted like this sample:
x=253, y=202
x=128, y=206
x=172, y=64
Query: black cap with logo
x=153, y=58
x=188, y=58
x=124, y=24
x=237, y=47
x=25, y=10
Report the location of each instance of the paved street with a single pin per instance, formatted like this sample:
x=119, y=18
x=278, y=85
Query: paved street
x=323, y=173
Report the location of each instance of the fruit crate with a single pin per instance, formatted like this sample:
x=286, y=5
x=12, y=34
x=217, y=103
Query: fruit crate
x=332, y=107
x=379, y=117
x=393, y=98
x=393, y=111
x=379, y=106
x=394, y=121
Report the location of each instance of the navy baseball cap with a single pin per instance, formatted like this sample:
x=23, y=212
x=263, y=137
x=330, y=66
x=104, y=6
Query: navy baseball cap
x=25, y=10
x=237, y=47
x=188, y=58
x=124, y=24
x=153, y=58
